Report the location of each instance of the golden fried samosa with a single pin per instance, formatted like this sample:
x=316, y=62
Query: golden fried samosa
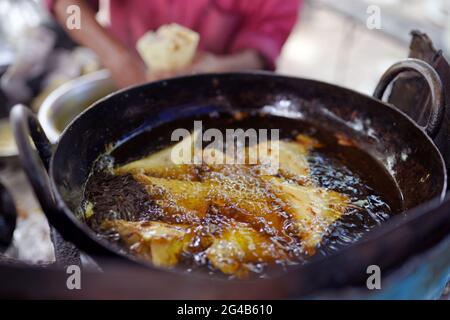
x=245, y=198
x=185, y=201
x=174, y=162
x=281, y=157
x=240, y=248
x=158, y=242
x=313, y=209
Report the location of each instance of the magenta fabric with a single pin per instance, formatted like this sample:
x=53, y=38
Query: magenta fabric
x=225, y=26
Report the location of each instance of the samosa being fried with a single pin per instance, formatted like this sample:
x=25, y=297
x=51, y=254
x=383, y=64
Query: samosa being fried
x=280, y=157
x=158, y=242
x=241, y=248
x=313, y=209
x=175, y=162
x=182, y=201
x=286, y=158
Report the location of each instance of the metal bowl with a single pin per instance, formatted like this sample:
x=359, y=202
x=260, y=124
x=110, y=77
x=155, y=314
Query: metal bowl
x=70, y=99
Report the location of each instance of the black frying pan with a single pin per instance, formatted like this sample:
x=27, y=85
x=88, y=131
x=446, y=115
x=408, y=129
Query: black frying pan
x=400, y=145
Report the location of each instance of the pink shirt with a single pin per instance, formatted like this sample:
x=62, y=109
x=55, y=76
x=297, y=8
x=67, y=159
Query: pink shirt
x=225, y=26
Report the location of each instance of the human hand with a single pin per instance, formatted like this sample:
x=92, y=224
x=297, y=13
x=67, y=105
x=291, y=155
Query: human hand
x=203, y=62
x=126, y=69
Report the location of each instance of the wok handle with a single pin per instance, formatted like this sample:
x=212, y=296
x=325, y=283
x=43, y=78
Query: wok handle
x=35, y=164
x=434, y=82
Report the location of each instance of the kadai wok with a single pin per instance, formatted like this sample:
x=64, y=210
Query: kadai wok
x=350, y=167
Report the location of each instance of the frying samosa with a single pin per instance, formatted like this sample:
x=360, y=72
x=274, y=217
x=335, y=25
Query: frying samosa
x=313, y=209
x=182, y=201
x=158, y=242
x=240, y=248
x=161, y=164
x=280, y=157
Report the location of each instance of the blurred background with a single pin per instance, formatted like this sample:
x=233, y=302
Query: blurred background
x=331, y=42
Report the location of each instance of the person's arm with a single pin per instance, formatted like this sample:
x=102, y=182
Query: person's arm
x=206, y=62
x=243, y=60
x=126, y=68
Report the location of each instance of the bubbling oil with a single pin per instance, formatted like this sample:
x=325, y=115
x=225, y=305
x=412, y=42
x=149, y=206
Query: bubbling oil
x=339, y=167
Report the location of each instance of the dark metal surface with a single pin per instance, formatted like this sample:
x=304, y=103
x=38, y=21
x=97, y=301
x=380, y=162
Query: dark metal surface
x=387, y=134
x=66, y=102
x=66, y=254
x=25, y=125
x=411, y=95
x=35, y=165
x=430, y=75
x=8, y=216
